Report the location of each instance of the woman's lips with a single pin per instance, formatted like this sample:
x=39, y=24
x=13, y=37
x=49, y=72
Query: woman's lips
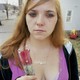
x=39, y=30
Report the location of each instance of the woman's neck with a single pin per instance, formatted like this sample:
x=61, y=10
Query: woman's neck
x=41, y=44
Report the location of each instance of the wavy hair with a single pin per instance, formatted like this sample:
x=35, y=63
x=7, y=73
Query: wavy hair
x=21, y=33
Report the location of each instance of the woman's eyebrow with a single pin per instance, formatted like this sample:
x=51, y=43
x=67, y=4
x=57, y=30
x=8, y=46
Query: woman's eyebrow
x=50, y=11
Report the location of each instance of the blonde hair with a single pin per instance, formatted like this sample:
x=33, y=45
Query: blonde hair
x=58, y=33
x=21, y=34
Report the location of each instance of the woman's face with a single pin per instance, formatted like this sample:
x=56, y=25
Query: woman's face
x=41, y=20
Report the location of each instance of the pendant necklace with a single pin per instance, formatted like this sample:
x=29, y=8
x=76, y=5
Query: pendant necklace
x=41, y=59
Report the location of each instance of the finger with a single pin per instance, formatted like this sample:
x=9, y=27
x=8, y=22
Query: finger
x=30, y=77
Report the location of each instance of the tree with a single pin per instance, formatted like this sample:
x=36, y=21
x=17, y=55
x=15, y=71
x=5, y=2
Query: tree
x=6, y=8
x=0, y=23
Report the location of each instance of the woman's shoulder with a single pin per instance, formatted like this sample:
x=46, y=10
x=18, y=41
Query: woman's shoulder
x=68, y=45
x=4, y=62
x=5, y=71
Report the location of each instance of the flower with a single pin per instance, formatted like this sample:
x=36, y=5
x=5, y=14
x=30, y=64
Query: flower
x=25, y=57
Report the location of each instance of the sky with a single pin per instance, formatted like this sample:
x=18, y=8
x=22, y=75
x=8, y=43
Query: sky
x=13, y=2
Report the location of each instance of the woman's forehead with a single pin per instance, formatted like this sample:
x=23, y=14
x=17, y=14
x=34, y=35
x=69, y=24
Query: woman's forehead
x=48, y=6
x=39, y=0
x=45, y=6
x=34, y=2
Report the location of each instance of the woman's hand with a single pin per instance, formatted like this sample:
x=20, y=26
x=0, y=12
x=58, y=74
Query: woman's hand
x=27, y=78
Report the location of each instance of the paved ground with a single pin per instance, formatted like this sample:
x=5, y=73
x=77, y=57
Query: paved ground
x=7, y=27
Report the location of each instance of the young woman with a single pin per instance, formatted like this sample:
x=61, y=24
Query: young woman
x=40, y=31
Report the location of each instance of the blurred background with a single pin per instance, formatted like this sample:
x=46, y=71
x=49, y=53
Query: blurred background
x=10, y=10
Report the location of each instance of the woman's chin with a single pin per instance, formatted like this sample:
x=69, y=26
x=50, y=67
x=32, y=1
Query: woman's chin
x=39, y=37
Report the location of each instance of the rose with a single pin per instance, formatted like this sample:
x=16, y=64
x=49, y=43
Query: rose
x=25, y=57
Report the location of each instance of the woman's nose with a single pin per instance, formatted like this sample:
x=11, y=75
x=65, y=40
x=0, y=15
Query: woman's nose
x=40, y=21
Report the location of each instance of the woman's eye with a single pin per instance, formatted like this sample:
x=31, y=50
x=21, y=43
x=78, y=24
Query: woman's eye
x=50, y=15
x=32, y=14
